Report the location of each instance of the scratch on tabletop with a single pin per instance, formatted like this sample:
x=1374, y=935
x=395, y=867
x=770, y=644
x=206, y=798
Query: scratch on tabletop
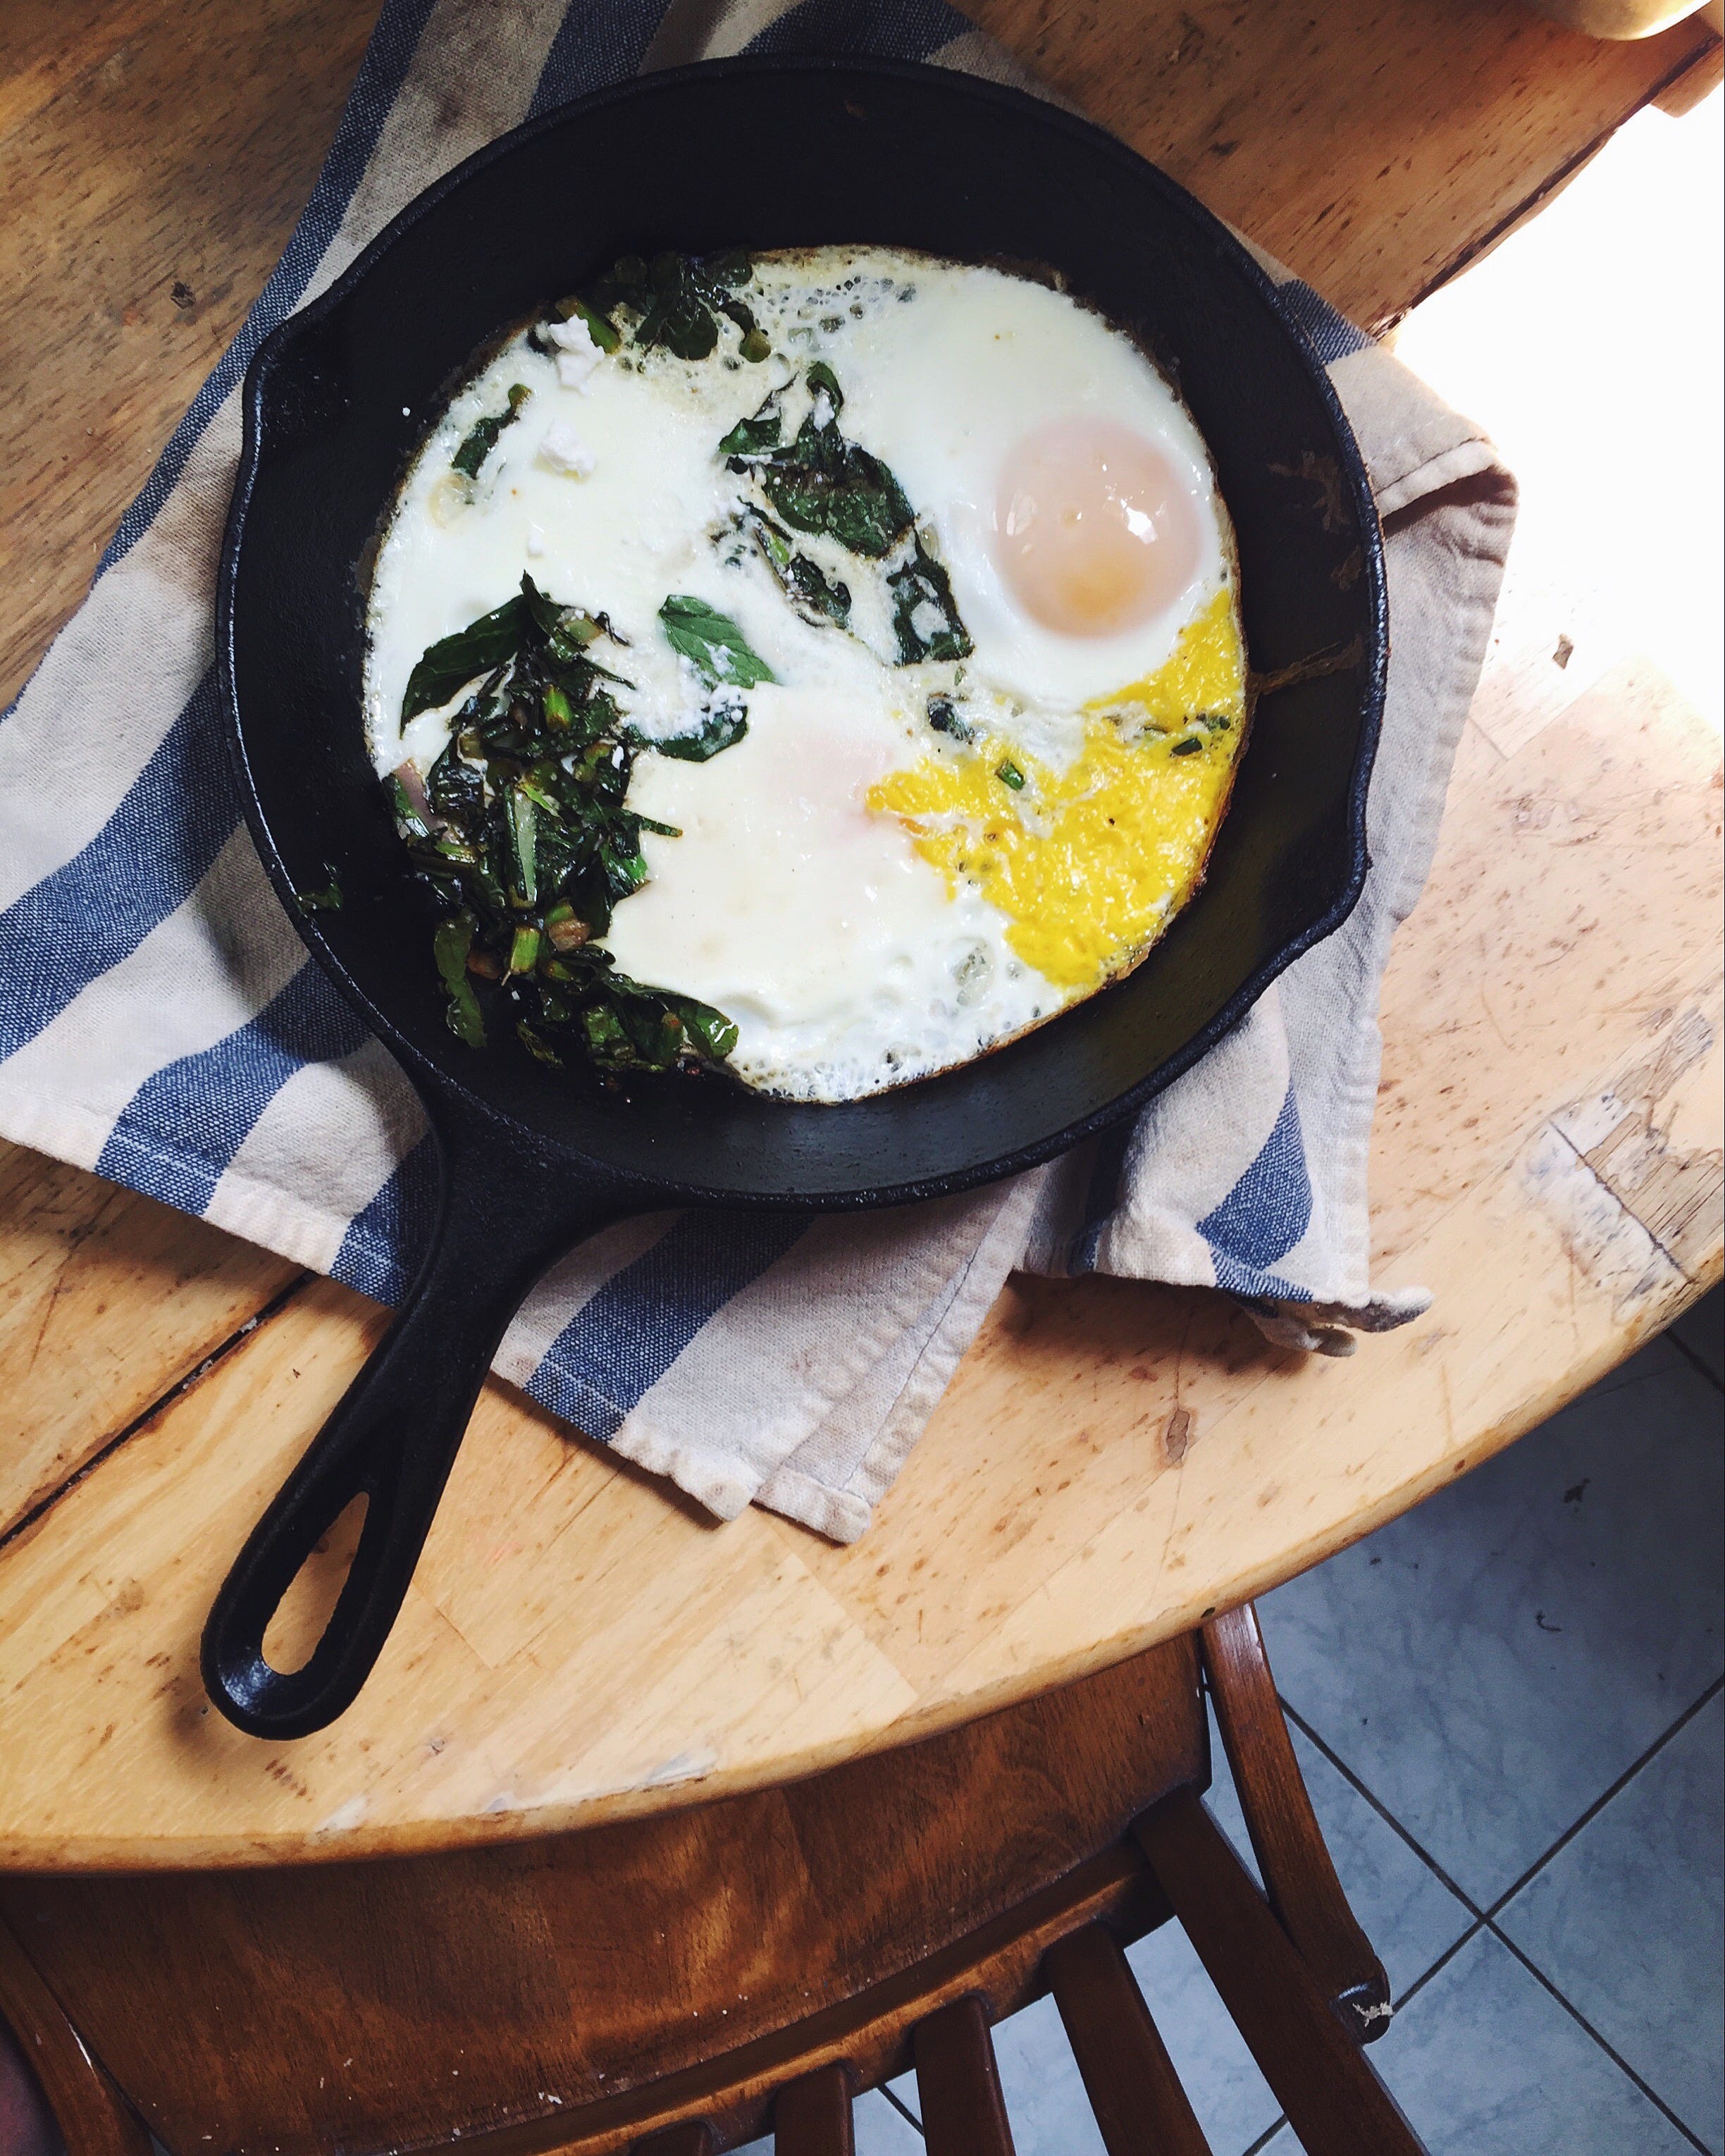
x=157, y=1407
x=48, y=1310
x=1492, y=1018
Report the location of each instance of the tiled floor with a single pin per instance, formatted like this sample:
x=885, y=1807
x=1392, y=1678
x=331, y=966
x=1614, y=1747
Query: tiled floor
x=1508, y=1706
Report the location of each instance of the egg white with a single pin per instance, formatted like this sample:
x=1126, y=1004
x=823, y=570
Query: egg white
x=847, y=962
x=808, y=919
x=942, y=383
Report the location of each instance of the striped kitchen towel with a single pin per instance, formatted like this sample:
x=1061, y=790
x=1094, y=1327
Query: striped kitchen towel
x=161, y=1024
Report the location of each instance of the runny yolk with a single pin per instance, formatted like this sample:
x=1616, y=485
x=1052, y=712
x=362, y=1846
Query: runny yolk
x=1093, y=530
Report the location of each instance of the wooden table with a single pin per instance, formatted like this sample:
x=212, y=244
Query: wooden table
x=1112, y=1462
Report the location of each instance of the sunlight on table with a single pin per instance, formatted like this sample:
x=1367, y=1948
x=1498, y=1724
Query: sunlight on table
x=1589, y=345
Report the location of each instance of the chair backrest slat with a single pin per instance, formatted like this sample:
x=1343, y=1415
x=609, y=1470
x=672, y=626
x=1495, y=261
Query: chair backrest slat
x=958, y=2084
x=812, y=2116
x=1140, y=2108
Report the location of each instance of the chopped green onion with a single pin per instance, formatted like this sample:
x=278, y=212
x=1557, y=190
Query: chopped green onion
x=523, y=831
x=605, y=334
x=451, y=945
x=563, y=930
x=326, y=900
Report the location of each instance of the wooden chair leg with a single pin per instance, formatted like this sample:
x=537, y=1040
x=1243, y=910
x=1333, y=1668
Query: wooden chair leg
x=1140, y=2107
x=1298, y=1875
x=1335, y=2104
x=963, y=2112
x=812, y=2118
x=93, y=2116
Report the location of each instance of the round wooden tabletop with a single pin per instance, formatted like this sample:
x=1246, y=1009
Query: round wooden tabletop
x=1112, y=1462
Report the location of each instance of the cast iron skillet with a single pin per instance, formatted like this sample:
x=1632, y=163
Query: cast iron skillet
x=759, y=153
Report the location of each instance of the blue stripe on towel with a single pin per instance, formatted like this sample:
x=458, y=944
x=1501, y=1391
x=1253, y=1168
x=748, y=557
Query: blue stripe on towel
x=384, y=1242
x=1248, y=1280
x=625, y=1337
x=1331, y=334
x=387, y=57
x=1265, y=1214
x=186, y=1124
x=909, y=30
x=182, y=1127
x=143, y=865
x=599, y=42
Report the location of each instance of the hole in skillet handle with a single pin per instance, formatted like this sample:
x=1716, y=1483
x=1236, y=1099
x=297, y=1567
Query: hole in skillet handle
x=509, y=1208
x=303, y=1611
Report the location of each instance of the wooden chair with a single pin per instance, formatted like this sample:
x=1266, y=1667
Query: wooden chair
x=680, y=1983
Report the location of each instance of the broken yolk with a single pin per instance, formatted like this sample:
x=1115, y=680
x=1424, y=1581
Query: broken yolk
x=1090, y=865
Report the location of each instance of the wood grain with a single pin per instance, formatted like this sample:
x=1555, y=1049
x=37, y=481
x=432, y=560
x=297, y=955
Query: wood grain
x=958, y=2084
x=1376, y=145
x=695, y=1976
x=575, y=1647
x=813, y=2116
x=1112, y=1463
x=685, y=1965
x=79, y=1255
x=151, y=171
x=94, y=2117
x=694, y=2140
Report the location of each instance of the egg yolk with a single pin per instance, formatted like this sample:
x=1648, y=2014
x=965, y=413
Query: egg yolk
x=1089, y=865
x=1093, y=530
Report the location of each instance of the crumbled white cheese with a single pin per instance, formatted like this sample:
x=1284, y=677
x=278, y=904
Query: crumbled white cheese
x=577, y=355
x=536, y=541
x=927, y=620
x=694, y=706
x=563, y=450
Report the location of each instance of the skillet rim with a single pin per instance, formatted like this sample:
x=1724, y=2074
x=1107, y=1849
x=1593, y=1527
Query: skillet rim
x=449, y=1101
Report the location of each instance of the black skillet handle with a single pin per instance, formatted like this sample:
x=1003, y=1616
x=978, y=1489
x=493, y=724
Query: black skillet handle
x=508, y=1211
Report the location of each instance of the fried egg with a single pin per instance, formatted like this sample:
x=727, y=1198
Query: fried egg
x=969, y=795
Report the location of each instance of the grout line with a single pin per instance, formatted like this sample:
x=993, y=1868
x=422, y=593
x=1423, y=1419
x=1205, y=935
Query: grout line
x=1383, y=1813
x=1599, y=1803
x=1444, y=1959
x=1264, y=2138
x=1483, y=1918
x=1616, y=2057
x=1533, y=1968
x=1690, y=1356
x=219, y=1353
x=1486, y=1913
x=901, y=2106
